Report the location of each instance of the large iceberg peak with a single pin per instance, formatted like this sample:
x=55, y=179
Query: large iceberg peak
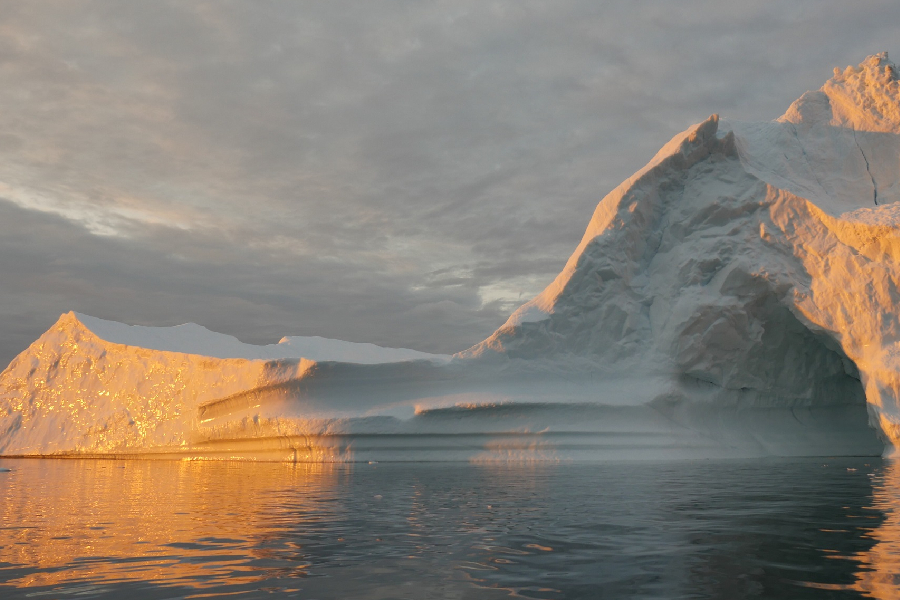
x=627, y=214
x=865, y=98
x=755, y=259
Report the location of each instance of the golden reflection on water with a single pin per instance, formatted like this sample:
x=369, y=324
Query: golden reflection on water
x=879, y=575
x=159, y=504
x=166, y=529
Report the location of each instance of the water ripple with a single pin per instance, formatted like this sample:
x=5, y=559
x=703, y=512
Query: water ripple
x=731, y=529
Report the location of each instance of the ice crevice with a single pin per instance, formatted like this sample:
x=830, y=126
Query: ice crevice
x=868, y=169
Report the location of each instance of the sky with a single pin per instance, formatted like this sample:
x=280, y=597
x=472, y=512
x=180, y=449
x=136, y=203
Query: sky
x=402, y=173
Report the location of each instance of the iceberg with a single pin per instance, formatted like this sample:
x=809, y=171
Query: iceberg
x=736, y=297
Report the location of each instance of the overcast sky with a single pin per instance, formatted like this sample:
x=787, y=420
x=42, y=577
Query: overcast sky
x=403, y=173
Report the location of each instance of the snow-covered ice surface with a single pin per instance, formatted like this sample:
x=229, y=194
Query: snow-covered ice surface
x=191, y=338
x=735, y=297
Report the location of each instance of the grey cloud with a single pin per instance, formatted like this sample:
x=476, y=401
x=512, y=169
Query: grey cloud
x=51, y=265
x=361, y=174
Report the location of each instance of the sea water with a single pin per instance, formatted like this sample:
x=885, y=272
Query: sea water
x=799, y=528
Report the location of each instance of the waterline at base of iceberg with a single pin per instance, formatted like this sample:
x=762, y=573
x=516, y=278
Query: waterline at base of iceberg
x=571, y=433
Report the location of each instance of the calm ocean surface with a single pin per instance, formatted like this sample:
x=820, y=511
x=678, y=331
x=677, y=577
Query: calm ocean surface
x=808, y=528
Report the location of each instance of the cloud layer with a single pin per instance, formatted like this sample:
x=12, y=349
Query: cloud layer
x=404, y=173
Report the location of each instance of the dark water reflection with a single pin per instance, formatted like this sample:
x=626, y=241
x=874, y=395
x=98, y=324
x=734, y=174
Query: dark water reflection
x=772, y=529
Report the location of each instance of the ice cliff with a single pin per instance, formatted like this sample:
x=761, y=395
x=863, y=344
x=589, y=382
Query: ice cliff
x=735, y=297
